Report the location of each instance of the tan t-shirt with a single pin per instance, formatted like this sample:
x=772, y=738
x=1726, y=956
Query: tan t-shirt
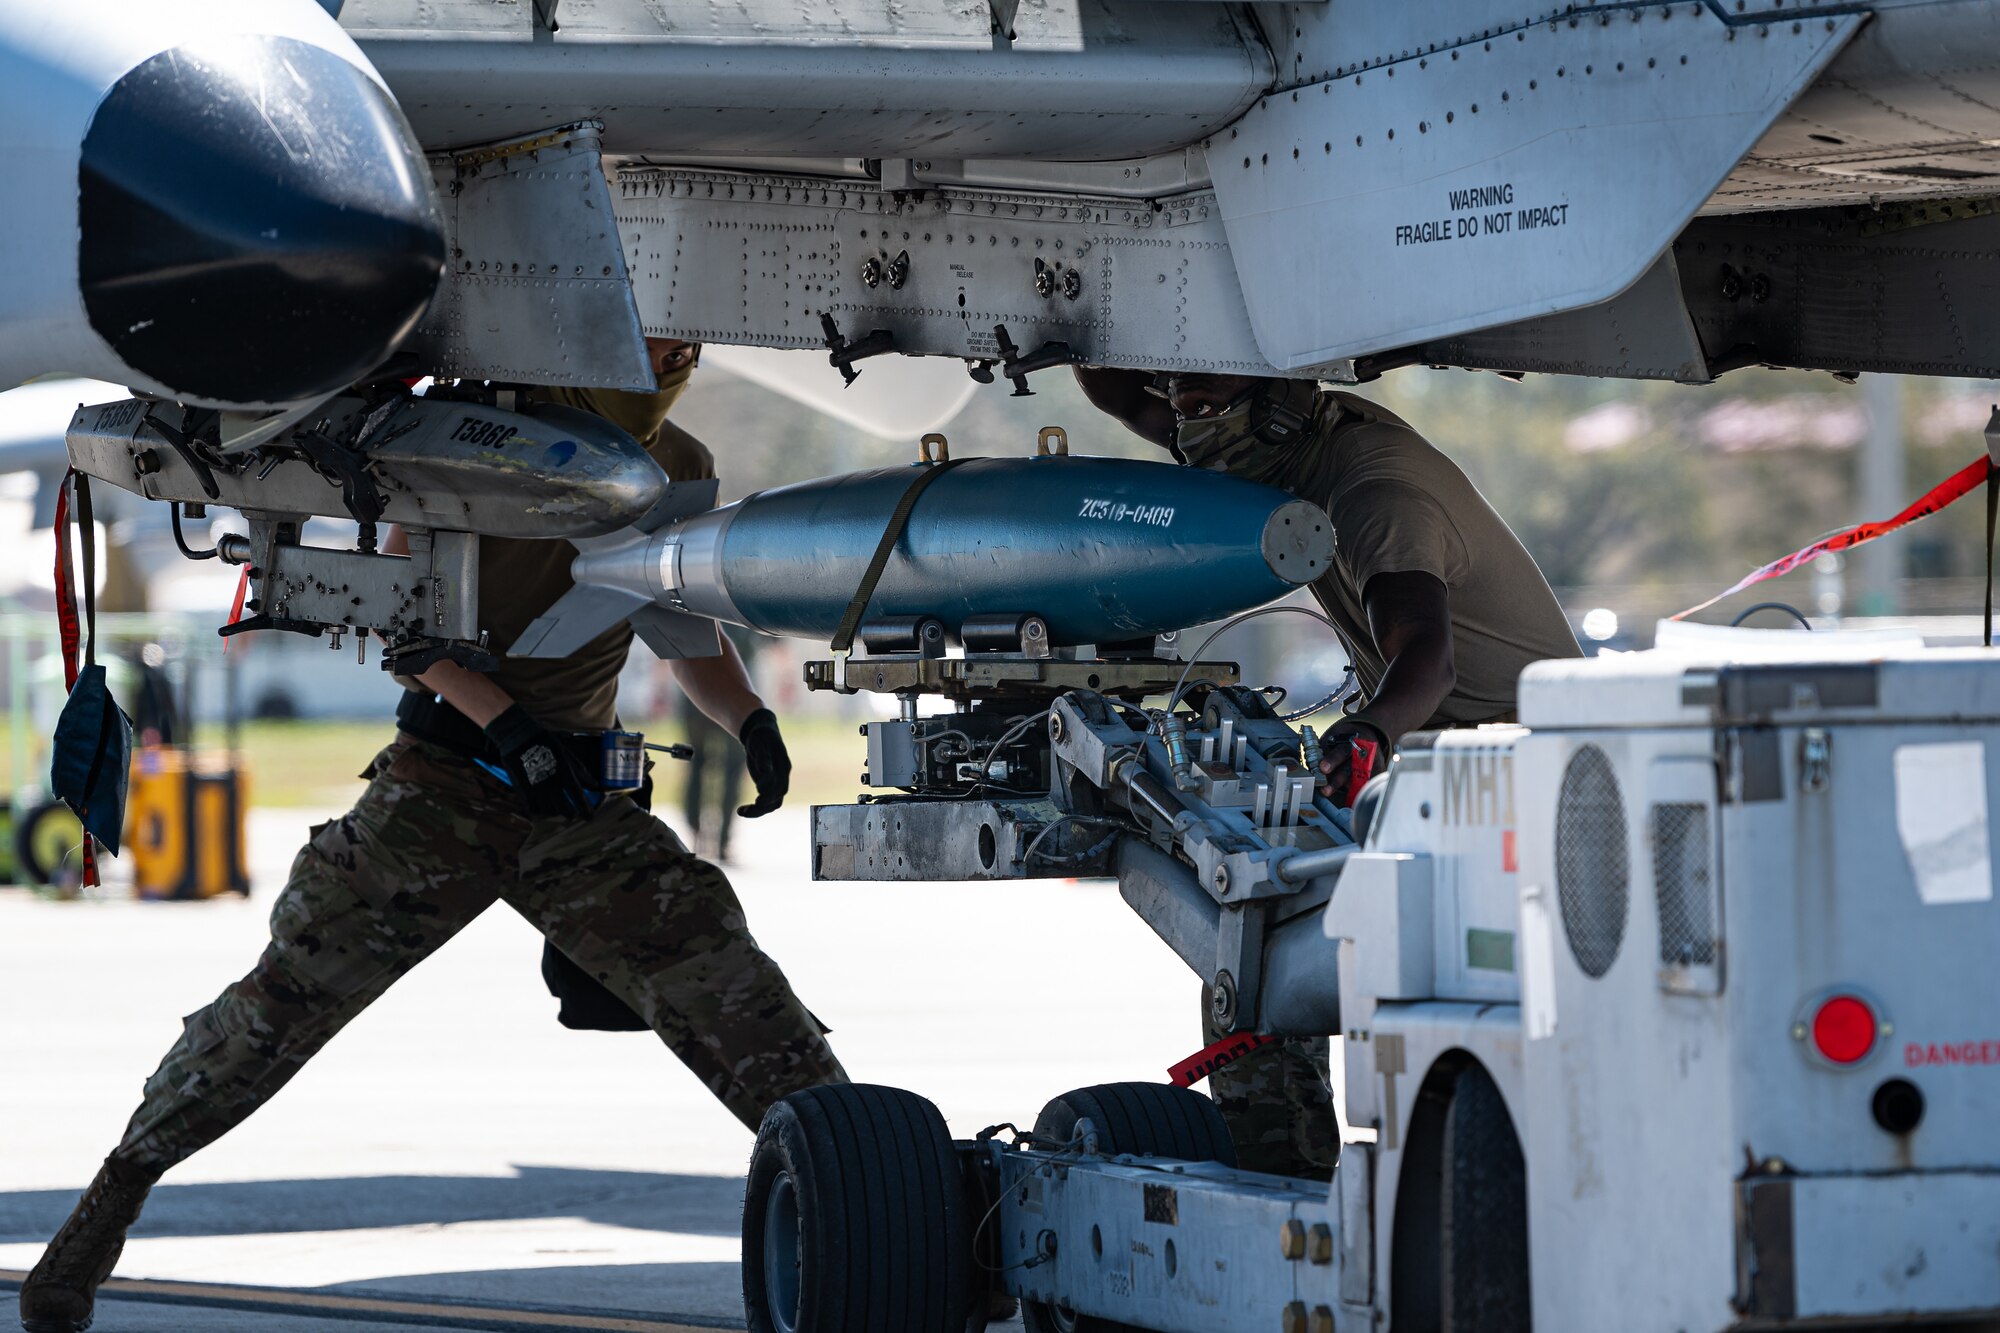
x=521, y=578
x=1398, y=506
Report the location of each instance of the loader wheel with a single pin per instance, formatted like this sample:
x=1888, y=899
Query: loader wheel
x=855, y=1218
x=1140, y=1119
x=44, y=839
x=1483, y=1208
x=1143, y=1119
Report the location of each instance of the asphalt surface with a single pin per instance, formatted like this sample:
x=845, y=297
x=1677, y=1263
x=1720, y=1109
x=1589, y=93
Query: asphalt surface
x=456, y=1148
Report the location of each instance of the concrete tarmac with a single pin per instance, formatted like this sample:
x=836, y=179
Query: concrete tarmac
x=456, y=1148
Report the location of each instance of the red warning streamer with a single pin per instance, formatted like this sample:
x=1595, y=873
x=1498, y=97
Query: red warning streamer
x=1961, y=483
x=1211, y=1058
x=66, y=618
x=236, y=605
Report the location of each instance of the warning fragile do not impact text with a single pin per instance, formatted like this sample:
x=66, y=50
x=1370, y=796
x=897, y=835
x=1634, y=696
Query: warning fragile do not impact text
x=1481, y=210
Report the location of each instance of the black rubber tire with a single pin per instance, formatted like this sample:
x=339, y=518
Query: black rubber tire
x=883, y=1239
x=1484, y=1213
x=1156, y=1119
x=1139, y=1119
x=39, y=862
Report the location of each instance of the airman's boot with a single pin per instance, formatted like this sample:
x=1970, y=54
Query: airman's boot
x=61, y=1294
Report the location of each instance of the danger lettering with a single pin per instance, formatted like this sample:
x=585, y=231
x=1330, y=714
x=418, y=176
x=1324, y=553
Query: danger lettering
x=1919, y=1054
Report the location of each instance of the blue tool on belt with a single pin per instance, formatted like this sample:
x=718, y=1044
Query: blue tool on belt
x=621, y=761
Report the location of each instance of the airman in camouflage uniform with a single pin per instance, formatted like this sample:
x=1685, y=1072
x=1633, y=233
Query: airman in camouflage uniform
x=1277, y=1103
x=437, y=839
x=430, y=845
x=1437, y=603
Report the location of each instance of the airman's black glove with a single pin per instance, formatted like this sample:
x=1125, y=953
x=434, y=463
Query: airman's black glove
x=770, y=767
x=550, y=780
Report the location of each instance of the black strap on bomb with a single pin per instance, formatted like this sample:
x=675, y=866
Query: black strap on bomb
x=843, y=638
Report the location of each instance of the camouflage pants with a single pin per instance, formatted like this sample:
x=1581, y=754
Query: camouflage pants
x=432, y=844
x=1278, y=1104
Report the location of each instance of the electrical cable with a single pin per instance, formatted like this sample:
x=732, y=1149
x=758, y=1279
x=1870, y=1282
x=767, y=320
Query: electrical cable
x=1075, y=858
x=1008, y=736
x=1071, y=1151
x=1209, y=681
x=174, y=516
x=1173, y=700
x=982, y=783
x=1347, y=682
x=1786, y=607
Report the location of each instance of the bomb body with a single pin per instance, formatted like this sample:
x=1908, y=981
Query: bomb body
x=1102, y=550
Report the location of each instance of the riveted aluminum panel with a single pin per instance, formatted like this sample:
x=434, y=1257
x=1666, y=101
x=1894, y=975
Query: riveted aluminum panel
x=756, y=258
x=1591, y=145
x=535, y=285
x=930, y=840
x=1178, y=1247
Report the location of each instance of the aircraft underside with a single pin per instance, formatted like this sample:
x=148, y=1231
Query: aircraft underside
x=1644, y=191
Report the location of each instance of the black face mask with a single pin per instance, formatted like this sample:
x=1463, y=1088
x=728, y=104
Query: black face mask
x=1256, y=436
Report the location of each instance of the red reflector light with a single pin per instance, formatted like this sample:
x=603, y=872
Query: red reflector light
x=1843, y=1030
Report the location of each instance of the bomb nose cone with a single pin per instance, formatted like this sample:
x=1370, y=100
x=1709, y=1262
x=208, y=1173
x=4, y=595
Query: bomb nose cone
x=1298, y=541
x=257, y=223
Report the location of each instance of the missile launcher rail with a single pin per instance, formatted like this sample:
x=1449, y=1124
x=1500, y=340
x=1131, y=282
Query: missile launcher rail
x=983, y=675
x=446, y=467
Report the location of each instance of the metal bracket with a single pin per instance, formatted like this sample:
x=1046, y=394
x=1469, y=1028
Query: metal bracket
x=536, y=287
x=1239, y=966
x=842, y=354
x=1815, y=760
x=1017, y=367
x=1003, y=17
x=420, y=655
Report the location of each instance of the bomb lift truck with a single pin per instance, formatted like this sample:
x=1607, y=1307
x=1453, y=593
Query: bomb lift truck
x=1672, y=1009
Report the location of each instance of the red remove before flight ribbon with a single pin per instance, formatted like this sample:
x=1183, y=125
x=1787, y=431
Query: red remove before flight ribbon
x=1960, y=483
x=1211, y=1058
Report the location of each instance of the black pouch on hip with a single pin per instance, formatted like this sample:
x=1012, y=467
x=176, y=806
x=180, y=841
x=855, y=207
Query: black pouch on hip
x=587, y=1004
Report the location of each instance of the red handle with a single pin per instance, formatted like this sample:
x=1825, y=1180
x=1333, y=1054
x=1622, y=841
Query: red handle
x=1361, y=768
